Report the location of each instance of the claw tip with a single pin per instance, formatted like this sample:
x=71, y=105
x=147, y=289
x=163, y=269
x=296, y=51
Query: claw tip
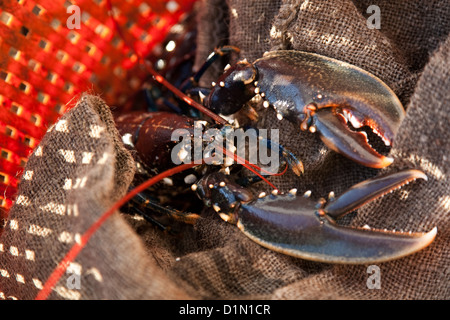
x=423, y=176
x=428, y=238
x=386, y=161
x=418, y=174
x=432, y=233
x=298, y=168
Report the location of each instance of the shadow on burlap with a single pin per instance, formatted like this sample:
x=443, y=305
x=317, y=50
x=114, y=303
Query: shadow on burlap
x=81, y=167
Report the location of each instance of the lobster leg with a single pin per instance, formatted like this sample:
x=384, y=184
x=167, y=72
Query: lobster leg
x=155, y=213
x=294, y=163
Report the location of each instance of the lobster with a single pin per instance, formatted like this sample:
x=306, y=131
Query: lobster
x=301, y=227
x=317, y=93
x=288, y=223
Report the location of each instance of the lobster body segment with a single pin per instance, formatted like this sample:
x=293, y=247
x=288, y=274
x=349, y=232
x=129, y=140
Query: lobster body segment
x=150, y=134
x=305, y=87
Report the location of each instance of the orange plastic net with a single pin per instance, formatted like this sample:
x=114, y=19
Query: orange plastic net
x=53, y=50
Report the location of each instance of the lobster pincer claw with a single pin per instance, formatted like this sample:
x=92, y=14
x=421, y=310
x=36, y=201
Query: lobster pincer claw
x=319, y=94
x=337, y=136
x=325, y=95
x=307, y=229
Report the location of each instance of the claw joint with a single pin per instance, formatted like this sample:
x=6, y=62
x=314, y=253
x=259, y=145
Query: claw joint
x=309, y=111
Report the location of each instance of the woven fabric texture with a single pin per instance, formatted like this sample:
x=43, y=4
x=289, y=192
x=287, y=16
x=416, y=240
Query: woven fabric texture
x=80, y=168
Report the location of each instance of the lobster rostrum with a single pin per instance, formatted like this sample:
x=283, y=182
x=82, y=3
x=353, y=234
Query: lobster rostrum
x=319, y=94
x=298, y=226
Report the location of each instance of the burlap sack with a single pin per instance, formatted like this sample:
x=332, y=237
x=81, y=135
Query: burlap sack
x=81, y=167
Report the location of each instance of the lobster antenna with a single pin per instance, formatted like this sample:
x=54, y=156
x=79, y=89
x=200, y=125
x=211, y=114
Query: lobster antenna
x=160, y=79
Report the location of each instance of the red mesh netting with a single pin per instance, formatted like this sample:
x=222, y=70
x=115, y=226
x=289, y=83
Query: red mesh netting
x=44, y=64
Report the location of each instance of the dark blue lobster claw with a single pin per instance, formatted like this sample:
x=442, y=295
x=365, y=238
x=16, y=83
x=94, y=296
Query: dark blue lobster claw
x=318, y=94
x=303, y=228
